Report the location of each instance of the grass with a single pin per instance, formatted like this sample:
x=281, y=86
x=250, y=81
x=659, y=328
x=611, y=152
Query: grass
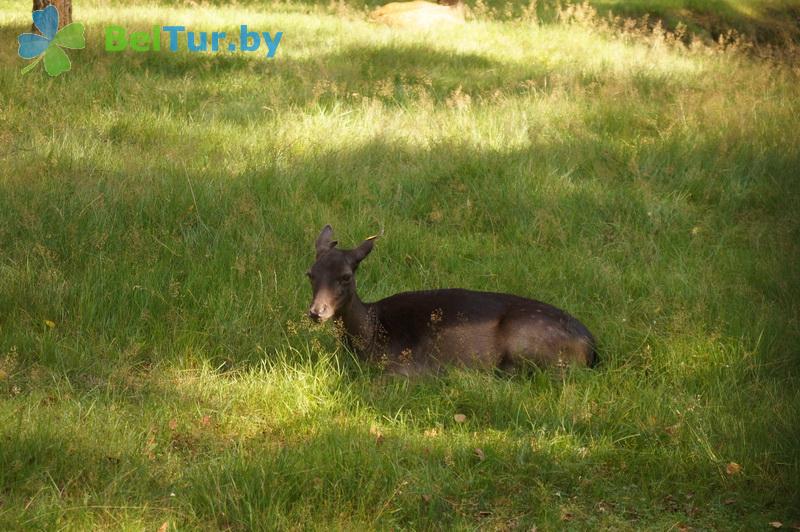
x=157, y=212
x=765, y=21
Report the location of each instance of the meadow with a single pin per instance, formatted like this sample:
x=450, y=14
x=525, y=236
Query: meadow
x=158, y=213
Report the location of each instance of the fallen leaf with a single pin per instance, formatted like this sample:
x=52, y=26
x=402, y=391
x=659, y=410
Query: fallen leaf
x=164, y=527
x=460, y=418
x=775, y=524
x=50, y=324
x=173, y=424
x=729, y=501
x=431, y=433
x=480, y=454
x=205, y=421
x=426, y=497
x=566, y=516
x=733, y=468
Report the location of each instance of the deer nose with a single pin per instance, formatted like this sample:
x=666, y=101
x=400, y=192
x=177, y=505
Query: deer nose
x=316, y=313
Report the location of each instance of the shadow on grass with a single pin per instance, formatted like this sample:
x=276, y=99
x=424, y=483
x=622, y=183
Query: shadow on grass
x=337, y=470
x=393, y=480
x=57, y=469
x=365, y=62
x=765, y=22
x=454, y=479
x=394, y=74
x=165, y=258
x=414, y=467
x=773, y=23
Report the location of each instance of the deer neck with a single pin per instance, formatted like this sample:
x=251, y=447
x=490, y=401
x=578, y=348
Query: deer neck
x=360, y=324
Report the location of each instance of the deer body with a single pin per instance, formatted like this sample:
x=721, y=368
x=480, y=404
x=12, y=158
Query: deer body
x=413, y=332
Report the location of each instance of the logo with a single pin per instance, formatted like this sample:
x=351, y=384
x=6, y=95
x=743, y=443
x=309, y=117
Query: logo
x=142, y=41
x=49, y=44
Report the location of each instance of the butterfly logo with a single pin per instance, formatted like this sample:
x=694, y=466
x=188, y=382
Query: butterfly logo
x=49, y=44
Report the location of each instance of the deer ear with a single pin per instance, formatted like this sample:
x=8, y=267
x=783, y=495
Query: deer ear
x=358, y=254
x=325, y=241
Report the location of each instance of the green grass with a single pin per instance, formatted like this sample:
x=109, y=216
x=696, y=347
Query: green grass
x=767, y=22
x=764, y=21
x=159, y=211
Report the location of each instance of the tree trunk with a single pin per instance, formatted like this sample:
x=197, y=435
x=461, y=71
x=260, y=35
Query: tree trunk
x=64, y=10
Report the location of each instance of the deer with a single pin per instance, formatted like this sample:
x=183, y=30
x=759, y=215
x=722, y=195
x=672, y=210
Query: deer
x=411, y=333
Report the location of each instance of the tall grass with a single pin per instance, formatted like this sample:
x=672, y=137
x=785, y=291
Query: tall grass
x=157, y=212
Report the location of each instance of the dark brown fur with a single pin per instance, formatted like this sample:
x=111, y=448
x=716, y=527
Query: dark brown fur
x=412, y=332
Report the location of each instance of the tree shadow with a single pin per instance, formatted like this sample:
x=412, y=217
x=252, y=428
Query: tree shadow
x=54, y=466
x=391, y=454
x=394, y=74
x=776, y=24
x=470, y=187
x=386, y=479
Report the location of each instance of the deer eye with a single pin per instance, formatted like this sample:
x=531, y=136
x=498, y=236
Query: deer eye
x=345, y=278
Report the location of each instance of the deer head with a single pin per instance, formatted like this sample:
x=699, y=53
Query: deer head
x=332, y=275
